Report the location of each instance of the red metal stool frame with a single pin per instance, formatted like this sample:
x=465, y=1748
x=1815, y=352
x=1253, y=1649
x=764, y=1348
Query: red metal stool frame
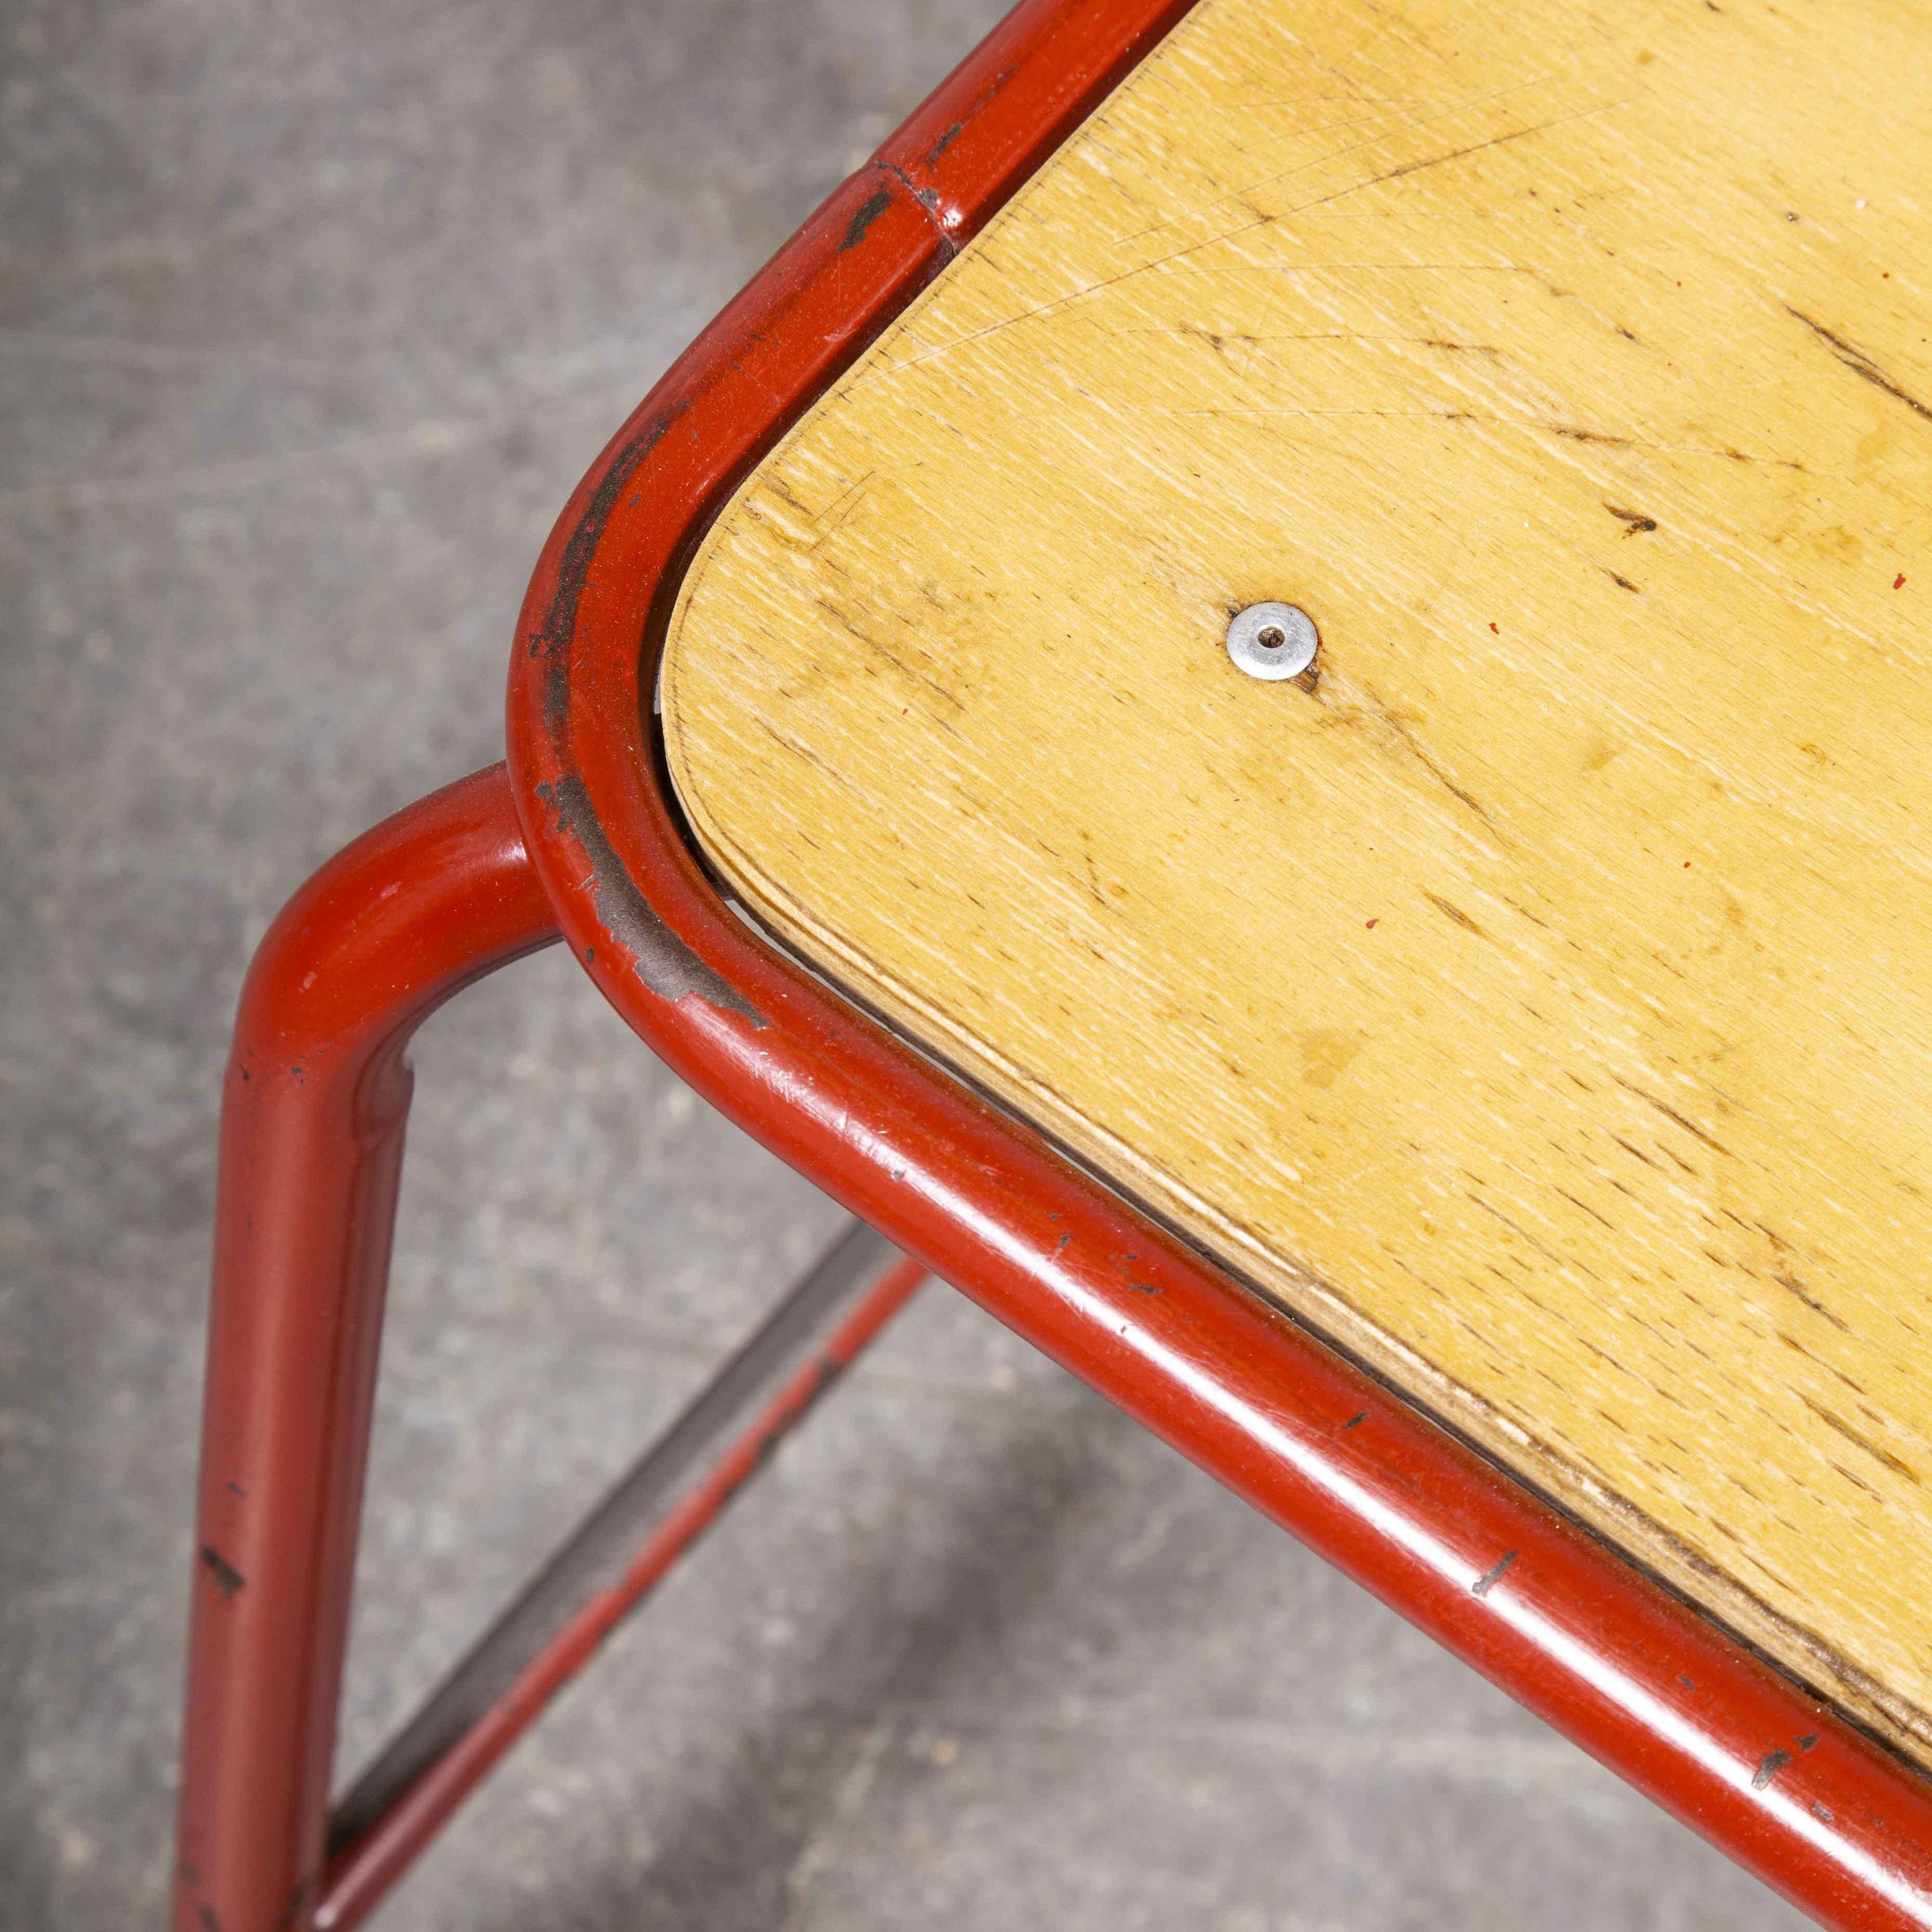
x=579, y=836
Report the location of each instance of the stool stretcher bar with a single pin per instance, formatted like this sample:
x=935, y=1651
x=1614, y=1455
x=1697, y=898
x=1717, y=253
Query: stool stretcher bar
x=617, y=1556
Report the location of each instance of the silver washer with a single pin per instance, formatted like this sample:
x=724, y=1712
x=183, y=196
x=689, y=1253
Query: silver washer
x=1273, y=641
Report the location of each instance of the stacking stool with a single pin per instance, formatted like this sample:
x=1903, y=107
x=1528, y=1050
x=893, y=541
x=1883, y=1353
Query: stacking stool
x=1266, y=699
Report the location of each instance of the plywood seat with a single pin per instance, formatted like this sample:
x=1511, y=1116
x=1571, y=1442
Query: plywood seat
x=1533, y=996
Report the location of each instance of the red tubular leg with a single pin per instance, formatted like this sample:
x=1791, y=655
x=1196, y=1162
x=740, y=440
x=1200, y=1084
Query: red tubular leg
x=312, y=1120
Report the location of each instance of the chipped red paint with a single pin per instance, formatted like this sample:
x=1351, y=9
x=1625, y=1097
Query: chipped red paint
x=445, y=891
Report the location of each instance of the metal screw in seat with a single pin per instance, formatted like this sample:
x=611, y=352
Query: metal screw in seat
x=1273, y=641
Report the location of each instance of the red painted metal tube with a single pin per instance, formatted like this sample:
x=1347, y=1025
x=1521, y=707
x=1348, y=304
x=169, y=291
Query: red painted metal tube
x=773, y=1398
x=312, y=1120
x=1611, y=1658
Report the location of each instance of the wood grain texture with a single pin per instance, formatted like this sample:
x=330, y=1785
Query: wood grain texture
x=1536, y=999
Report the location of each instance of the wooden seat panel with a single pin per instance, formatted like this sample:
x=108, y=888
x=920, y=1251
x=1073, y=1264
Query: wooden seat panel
x=1535, y=997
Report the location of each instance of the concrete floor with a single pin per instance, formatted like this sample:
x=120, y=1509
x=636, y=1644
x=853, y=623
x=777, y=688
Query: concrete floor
x=310, y=315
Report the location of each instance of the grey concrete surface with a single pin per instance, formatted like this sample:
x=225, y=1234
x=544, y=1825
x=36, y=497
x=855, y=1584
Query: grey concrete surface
x=309, y=316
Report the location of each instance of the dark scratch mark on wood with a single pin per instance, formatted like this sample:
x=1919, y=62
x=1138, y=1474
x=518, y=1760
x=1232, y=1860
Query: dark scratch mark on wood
x=1874, y=1450
x=1797, y=1347
x=1859, y=363
x=1543, y=1248
x=1792, y=1285
x=1571, y=433
x=1457, y=154
x=1670, y=1113
x=1413, y=746
x=1456, y=914
x=1636, y=521
x=1586, y=1208
x=804, y=753
x=851, y=629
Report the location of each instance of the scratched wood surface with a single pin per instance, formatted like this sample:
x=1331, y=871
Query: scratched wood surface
x=1538, y=998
